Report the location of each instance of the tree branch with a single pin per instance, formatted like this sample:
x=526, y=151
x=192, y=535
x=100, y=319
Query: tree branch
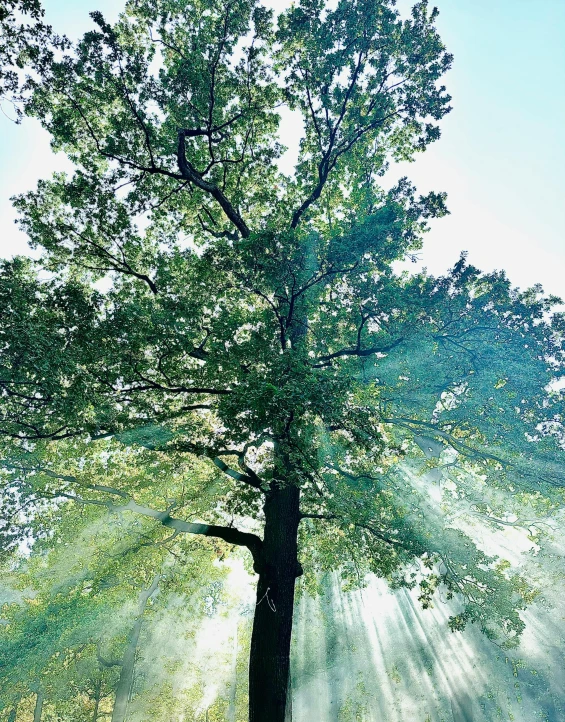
x=458, y=445
x=228, y=534
x=174, y=389
x=249, y=478
x=191, y=174
x=324, y=360
x=328, y=163
x=109, y=663
x=381, y=536
x=374, y=532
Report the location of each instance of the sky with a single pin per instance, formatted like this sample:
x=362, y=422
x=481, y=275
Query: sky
x=501, y=157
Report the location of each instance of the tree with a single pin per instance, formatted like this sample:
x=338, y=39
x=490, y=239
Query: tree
x=73, y=620
x=15, y=37
x=125, y=682
x=201, y=303
x=25, y=42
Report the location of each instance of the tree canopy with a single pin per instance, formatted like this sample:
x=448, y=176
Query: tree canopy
x=194, y=300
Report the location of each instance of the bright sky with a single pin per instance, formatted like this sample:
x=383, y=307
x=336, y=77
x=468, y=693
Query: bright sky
x=501, y=157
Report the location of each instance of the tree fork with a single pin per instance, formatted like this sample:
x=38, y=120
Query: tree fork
x=269, y=666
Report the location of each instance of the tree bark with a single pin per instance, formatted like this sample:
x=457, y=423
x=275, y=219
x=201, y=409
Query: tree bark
x=38, y=706
x=288, y=711
x=125, y=682
x=269, y=663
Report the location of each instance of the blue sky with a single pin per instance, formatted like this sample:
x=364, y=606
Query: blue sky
x=501, y=157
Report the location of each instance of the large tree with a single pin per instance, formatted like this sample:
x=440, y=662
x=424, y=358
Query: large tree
x=199, y=301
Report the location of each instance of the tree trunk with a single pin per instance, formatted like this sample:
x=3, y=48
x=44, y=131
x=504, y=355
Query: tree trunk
x=125, y=682
x=97, y=694
x=13, y=713
x=269, y=663
x=288, y=711
x=38, y=706
x=231, y=716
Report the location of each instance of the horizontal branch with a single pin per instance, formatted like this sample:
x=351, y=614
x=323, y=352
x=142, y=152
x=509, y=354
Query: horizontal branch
x=458, y=445
x=64, y=477
x=249, y=478
x=154, y=385
x=228, y=534
x=325, y=517
x=324, y=360
x=379, y=535
x=109, y=663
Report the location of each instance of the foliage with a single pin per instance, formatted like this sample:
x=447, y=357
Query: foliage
x=26, y=43
x=74, y=601
x=247, y=330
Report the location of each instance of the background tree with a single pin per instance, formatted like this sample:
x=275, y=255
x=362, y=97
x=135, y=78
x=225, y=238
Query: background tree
x=26, y=43
x=73, y=625
x=204, y=304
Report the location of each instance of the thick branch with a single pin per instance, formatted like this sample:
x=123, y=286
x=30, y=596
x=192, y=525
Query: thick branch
x=109, y=663
x=325, y=517
x=360, y=352
x=191, y=174
x=228, y=534
x=249, y=478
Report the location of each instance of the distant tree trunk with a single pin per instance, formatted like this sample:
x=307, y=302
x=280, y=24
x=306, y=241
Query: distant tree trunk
x=233, y=691
x=97, y=693
x=13, y=713
x=125, y=682
x=38, y=706
x=269, y=664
